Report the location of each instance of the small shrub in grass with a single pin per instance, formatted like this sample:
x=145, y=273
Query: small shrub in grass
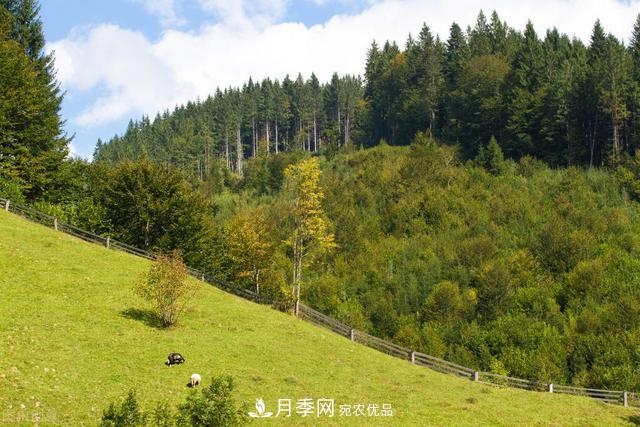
x=166, y=287
x=162, y=416
x=213, y=406
x=126, y=414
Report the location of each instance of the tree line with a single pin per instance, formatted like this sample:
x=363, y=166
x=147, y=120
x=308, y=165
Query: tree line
x=239, y=123
x=551, y=97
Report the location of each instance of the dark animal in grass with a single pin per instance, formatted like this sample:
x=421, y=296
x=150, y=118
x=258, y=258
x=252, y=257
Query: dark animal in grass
x=174, y=359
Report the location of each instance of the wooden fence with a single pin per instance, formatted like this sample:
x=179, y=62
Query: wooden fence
x=307, y=313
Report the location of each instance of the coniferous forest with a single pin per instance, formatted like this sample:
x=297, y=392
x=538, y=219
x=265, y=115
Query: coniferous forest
x=480, y=194
x=546, y=96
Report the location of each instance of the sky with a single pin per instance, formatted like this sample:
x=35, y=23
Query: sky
x=120, y=59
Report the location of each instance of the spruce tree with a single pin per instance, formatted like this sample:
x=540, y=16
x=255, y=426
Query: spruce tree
x=32, y=142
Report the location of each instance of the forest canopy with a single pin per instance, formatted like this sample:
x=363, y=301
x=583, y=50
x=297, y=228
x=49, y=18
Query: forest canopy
x=548, y=96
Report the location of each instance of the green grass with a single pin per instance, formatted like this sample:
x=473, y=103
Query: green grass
x=72, y=340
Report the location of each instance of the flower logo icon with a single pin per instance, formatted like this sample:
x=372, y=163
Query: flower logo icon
x=260, y=410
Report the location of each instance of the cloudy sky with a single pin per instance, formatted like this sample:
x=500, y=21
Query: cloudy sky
x=120, y=59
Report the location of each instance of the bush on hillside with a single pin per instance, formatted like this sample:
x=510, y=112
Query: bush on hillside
x=213, y=406
x=166, y=287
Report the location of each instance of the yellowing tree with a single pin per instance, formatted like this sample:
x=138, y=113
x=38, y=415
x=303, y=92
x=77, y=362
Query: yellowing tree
x=311, y=236
x=167, y=288
x=249, y=248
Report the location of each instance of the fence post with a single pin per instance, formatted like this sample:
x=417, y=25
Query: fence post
x=202, y=277
x=55, y=224
x=108, y=242
x=550, y=388
x=352, y=334
x=6, y=205
x=625, y=396
x=476, y=376
x=413, y=357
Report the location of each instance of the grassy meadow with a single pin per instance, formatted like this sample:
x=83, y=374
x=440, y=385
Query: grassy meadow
x=74, y=337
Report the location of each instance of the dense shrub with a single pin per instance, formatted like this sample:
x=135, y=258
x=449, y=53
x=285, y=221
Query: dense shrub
x=167, y=288
x=212, y=406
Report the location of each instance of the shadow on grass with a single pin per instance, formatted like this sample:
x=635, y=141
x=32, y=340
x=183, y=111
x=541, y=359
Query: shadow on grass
x=634, y=419
x=148, y=317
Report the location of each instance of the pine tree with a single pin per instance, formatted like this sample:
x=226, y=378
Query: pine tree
x=595, y=83
x=525, y=96
x=634, y=94
x=34, y=143
x=282, y=112
x=315, y=107
x=457, y=55
x=480, y=37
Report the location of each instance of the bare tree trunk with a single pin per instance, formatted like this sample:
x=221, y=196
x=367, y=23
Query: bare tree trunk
x=300, y=134
x=147, y=227
x=339, y=127
x=347, y=128
x=206, y=158
x=226, y=150
x=239, y=153
x=616, y=138
x=256, y=278
x=297, y=269
x=267, y=138
x=315, y=132
x=433, y=118
x=253, y=136
x=276, y=136
x=593, y=143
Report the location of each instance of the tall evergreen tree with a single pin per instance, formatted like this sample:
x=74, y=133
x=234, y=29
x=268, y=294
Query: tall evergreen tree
x=480, y=38
x=32, y=144
x=525, y=96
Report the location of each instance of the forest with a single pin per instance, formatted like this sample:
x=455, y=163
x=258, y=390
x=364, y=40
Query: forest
x=553, y=98
x=475, y=199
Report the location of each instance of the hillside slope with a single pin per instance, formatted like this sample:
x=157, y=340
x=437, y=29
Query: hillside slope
x=73, y=337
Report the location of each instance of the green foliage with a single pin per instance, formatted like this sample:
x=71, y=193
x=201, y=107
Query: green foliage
x=166, y=288
x=126, y=414
x=214, y=405
x=11, y=189
x=152, y=206
x=32, y=144
x=628, y=173
x=492, y=158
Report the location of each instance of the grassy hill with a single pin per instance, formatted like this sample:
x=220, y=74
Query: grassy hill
x=73, y=337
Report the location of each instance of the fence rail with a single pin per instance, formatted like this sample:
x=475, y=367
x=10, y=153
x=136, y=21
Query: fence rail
x=313, y=316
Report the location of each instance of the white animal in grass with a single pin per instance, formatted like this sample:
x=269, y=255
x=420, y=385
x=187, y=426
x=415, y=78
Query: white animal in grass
x=195, y=380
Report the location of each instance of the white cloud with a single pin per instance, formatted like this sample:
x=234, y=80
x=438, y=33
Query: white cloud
x=141, y=76
x=165, y=10
x=246, y=13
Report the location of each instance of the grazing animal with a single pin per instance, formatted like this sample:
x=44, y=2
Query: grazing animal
x=195, y=380
x=174, y=359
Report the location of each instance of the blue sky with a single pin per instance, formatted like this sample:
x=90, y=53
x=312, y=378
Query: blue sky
x=62, y=17
x=120, y=59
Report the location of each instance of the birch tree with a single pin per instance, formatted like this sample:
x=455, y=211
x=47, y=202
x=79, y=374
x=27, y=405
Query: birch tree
x=311, y=236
